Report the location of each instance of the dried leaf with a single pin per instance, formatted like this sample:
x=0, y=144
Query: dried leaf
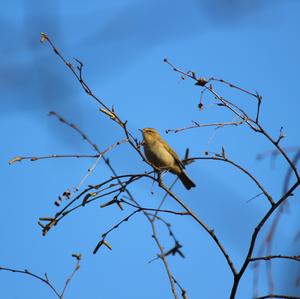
x=108, y=203
x=107, y=244
x=16, y=159
x=110, y=114
x=44, y=37
x=201, y=81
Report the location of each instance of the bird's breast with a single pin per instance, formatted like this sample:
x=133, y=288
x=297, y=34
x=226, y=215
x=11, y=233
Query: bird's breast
x=157, y=154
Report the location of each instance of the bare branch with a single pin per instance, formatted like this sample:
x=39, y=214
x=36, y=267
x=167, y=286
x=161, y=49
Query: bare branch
x=45, y=278
x=254, y=238
x=118, y=184
x=253, y=124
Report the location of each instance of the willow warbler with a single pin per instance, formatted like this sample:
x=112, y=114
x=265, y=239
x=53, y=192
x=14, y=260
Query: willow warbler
x=162, y=157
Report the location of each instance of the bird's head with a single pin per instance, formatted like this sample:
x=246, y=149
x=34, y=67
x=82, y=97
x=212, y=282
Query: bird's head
x=150, y=133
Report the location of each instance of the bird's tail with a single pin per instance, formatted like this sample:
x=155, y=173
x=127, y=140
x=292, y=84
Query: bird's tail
x=186, y=181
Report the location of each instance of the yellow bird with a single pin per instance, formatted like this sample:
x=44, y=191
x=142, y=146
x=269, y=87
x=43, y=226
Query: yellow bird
x=161, y=156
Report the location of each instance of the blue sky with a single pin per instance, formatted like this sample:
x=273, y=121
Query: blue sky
x=254, y=44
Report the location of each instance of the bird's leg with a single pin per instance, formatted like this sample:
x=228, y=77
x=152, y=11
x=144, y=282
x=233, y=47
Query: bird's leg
x=160, y=175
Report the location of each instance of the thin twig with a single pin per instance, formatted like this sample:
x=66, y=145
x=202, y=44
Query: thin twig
x=90, y=170
x=198, y=125
x=104, y=235
x=27, y=272
x=55, y=156
x=163, y=258
x=278, y=296
x=183, y=291
x=77, y=267
x=78, y=130
x=279, y=256
x=220, y=157
x=164, y=198
x=45, y=279
x=154, y=209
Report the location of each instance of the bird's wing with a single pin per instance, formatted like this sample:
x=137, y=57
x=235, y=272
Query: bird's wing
x=168, y=148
